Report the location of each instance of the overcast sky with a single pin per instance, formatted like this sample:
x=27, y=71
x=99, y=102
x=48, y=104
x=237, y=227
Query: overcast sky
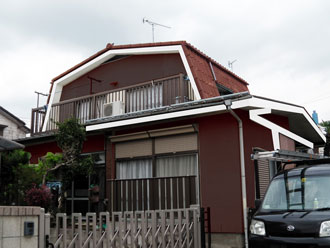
x=282, y=48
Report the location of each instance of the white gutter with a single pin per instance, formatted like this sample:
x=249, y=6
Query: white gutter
x=228, y=104
x=65, y=80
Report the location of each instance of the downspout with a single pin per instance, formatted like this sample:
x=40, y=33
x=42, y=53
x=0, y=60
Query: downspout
x=242, y=160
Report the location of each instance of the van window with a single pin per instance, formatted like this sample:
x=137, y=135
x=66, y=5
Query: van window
x=305, y=193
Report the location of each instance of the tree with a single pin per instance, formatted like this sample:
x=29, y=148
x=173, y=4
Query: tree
x=17, y=176
x=326, y=125
x=70, y=138
x=70, y=164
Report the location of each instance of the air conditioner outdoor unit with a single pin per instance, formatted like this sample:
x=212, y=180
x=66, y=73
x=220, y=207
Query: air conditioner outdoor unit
x=114, y=108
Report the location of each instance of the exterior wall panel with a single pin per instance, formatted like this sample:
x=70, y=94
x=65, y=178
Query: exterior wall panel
x=125, y=72
x=220, y=174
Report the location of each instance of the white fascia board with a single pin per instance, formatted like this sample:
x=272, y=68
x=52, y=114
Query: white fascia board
x=58, y=84
x=268, y=104
x=276, y=130
x=190, y=75
x=217, y=108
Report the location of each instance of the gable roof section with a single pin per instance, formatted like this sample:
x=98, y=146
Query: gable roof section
x=16, y=120
x=199, y=64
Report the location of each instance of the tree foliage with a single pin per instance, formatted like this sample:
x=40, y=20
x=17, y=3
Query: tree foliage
x=70, y=138
x=17, y=176
x=36, y=196
x=326, y=125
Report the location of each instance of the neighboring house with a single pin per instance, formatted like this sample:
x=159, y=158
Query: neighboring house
x=11, y=127
x=163, y=120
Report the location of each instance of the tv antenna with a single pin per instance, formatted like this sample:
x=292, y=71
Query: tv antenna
x=230, y=64
x=153, y=24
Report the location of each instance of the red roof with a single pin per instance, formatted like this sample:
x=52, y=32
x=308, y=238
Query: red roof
x=199, y=64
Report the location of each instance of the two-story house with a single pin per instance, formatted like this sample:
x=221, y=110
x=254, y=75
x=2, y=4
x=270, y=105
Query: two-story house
x=171, y=128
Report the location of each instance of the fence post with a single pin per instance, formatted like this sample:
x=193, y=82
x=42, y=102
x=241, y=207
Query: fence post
x=93, y=217
x=73, y=223
x=196, y=227
x=153, y=228
x=209, y=227
x=203, y=245
x=42, y=227
x=172, y=227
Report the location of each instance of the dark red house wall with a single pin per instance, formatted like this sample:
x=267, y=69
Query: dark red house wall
x=126, y=72
x=220, y=174
x=92, y=144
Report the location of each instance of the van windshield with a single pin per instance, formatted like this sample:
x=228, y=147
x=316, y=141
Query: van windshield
x=298, y=193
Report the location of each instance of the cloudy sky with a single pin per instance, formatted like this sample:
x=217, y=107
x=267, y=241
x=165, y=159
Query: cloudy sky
x=282, y=47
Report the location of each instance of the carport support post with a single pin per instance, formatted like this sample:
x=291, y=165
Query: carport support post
x=0, y=176
x=243, y=180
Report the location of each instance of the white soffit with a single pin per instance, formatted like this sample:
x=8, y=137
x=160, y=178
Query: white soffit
x=58, y=84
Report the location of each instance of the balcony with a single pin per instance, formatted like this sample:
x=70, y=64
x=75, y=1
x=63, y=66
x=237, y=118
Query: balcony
x=152, y=193
x=147, y=95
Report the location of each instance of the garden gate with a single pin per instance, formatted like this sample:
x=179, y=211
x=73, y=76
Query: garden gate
x=155, y=228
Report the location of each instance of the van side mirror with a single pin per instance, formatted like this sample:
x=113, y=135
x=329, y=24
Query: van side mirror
x=257, y=203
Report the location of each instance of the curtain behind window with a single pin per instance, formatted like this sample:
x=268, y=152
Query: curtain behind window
x=171, y=166
x=145, y=97
x=140, y=168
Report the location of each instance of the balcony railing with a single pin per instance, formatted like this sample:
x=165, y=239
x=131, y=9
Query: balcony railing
x=148, y=95
x=151, y=193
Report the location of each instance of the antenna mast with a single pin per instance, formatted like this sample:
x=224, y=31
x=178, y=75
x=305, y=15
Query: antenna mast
x=144, y=20
x=39, y=93
x=230, y=64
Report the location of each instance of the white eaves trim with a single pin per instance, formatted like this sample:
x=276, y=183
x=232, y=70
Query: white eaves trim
x=58, y=84
x=268, y=104
x=276, y=130
x=261, y=106
x=217, y=108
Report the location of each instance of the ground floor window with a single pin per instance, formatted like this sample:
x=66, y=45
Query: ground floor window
x=165, y=166
x=179, y=165
x=137, y=168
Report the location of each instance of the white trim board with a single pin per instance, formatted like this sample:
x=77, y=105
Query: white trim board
x=268, y=104
x=260, y=108
x=158, y=117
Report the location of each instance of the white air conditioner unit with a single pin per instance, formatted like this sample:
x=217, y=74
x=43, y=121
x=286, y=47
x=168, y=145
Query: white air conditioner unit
x=114, y=108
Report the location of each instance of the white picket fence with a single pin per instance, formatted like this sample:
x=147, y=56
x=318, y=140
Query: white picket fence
x=160, y=228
